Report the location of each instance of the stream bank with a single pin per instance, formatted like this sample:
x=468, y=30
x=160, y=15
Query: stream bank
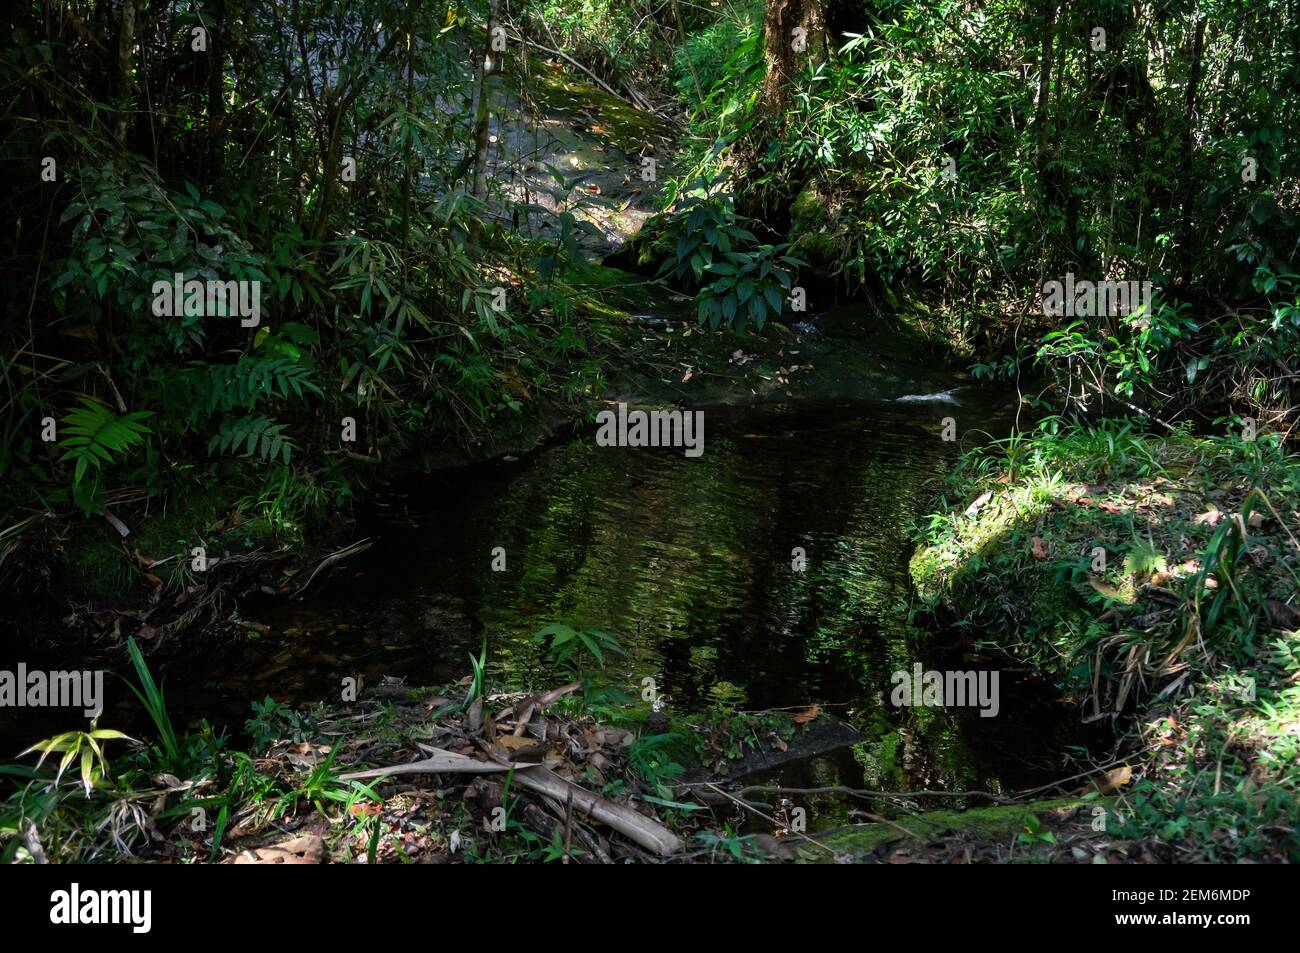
x=1154, y=577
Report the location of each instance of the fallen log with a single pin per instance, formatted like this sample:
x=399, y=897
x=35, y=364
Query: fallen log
x=637, y=828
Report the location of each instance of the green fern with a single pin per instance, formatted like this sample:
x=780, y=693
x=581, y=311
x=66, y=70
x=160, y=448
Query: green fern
x=1144, y=559
x=254, y=434
x=239, y=386
x=94, y=435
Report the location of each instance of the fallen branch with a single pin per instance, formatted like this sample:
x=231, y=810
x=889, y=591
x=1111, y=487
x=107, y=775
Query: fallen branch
x=636, y=827
x=334, y=558
x=537, y=778
x=442, y=762
x=522, y=710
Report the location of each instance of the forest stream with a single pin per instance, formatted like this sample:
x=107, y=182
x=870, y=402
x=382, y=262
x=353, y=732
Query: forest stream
x=690, y=563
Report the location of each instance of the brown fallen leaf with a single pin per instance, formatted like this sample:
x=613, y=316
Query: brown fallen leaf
x=1115, y=778
x=807, y=715
x=1105, y=588
x=614, y=737
x=307, y=849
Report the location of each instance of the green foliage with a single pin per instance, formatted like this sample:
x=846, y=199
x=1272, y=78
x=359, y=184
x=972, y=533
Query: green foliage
x=223, y=387
x=653, y=759
x=372, y=299
x=739, y=280
x=273, y=721
x=564, y=225
x=93, y=436
x=1185, y=663
x=478, y=679
x=256, y=435
x=150, y=695
x=321, y=784
x=578, y=647
x=82, y=745
x=740, y=847
x=1033, y=832
x=725, y=58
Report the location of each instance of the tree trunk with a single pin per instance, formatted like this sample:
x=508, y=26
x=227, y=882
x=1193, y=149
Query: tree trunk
x=1044, y=84
x=122, y=70
x=782, y=61
x=216, y=158
x=487, y=67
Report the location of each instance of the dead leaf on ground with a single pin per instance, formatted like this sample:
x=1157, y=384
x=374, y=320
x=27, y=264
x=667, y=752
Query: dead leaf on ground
x=307, y=849
x=807, y=715
x=1115, y=778
x=1105, y=588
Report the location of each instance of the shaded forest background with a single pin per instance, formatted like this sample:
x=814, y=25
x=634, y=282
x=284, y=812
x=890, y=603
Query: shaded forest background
x=940, y=160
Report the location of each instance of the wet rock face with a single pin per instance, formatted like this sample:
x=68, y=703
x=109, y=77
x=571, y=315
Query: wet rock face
x=643, y=252
x=573, y=130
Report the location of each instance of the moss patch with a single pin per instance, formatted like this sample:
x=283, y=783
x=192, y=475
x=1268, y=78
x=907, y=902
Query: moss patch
x=999, y=821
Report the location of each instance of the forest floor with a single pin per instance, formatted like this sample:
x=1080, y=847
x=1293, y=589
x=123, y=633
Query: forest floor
x=464, y=774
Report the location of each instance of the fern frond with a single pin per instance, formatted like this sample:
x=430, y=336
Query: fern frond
x=94, y=435
x=255, y=434
x=221, y=388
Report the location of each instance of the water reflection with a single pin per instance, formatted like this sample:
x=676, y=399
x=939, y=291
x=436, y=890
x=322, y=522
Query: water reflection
x=689, y=561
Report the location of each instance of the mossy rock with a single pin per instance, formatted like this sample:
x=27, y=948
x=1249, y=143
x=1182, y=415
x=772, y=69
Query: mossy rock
x=821, y=250
x=809, y=212
x=647, y=250
x=624, y=126
x=998, y=821
x=815, y=236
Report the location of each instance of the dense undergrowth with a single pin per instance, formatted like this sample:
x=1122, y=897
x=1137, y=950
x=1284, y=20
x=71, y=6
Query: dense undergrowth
x=307, y=785
x=1154, y=576
x=965, y=156
x=333, y=168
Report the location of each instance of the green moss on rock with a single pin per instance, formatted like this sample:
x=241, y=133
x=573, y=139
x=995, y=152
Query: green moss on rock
x=998, y=821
